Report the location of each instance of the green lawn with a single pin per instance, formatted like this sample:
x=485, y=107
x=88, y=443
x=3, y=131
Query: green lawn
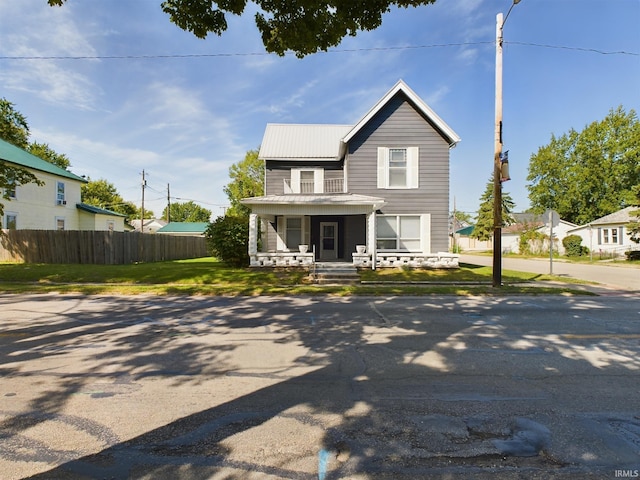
x=207, y=276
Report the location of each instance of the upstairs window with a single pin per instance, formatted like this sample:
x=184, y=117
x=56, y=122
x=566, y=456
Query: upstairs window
x=306, y=181
x=60, y=194
x=10, y=190
x=398, y=167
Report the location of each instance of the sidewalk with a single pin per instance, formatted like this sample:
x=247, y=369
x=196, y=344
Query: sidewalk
x=606, y=276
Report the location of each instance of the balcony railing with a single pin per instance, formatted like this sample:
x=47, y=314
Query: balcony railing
x=330, y=185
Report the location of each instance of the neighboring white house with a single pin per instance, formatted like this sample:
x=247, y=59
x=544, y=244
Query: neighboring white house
x=99, y=219
x=608, y=234
x=56, y=205
x=150, y=225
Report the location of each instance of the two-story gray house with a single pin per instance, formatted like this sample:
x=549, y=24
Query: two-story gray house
x=375, y=193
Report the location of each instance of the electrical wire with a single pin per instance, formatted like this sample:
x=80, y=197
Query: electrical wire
x=337, y=50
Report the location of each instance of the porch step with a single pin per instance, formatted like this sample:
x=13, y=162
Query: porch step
x=336, y=273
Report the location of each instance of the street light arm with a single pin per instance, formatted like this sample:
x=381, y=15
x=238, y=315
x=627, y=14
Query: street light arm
x=515, y=2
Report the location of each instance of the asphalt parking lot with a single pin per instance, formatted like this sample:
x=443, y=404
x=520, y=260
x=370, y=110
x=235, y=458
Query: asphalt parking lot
x=319, y=388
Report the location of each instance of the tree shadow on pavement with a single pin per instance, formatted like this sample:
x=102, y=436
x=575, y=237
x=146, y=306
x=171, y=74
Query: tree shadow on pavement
x=330, y=387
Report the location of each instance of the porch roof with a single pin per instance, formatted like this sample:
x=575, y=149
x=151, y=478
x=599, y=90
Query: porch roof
x=318, y=204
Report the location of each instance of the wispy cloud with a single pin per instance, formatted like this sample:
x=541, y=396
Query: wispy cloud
x=437, y=96
x=46, y=33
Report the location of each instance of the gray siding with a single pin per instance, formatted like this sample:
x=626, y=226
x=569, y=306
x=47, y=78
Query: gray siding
x=398, y=124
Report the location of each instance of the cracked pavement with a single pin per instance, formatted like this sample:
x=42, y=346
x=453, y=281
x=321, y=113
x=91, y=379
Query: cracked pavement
x=319, y=387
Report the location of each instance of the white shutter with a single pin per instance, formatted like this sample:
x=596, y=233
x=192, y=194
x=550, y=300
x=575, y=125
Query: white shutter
x=306, y=231
x=383, y=167
x=425, y=232
x=295, y=181
x=318, y=180
x=281, y=233
x=413, y=167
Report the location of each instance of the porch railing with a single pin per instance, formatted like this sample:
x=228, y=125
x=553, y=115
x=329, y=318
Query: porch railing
x=330, y=185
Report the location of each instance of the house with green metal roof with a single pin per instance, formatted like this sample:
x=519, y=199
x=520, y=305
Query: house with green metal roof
x=54, y=205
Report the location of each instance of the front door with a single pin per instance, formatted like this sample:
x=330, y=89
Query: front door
x=328, y=240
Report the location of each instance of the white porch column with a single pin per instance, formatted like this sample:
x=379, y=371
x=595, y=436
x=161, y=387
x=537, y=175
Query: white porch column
x=253, y=234
x=371, y=237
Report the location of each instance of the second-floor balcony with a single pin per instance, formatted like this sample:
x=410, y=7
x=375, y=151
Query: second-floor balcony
x=330, y=185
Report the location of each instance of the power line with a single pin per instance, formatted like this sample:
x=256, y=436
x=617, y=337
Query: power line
x=579, y=49
x=345, y=50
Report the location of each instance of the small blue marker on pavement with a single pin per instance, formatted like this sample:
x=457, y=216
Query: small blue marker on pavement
x=323, y=460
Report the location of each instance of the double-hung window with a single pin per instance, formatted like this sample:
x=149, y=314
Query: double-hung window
x=609, y=236
x=399, y=233
x=293, y=231
x=10, y=190
x=398, y=167
x=11, y=221
x=60, y=194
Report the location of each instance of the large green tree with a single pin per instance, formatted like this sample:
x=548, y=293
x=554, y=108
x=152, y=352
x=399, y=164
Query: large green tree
x=247, y=180
x=103, y=194
x=13, y=125
x=45, y=152
x=586, y=175
x=483, y=229
x=187, y=212
x=300, y=26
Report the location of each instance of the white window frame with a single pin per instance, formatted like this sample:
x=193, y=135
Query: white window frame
x=10, y=191
x=423, y=239
x=60, y=221
x=282, y=237
x=60, y=193
x=610, y=236
x=11, y=215
x=413, y=169
x=318, y=180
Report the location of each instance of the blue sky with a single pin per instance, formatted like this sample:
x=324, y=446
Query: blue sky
x=192, y=108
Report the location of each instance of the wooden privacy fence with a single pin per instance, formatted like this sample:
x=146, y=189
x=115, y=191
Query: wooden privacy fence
x=101, y=248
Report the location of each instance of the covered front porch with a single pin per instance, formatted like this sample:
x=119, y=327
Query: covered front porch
x=298, y=230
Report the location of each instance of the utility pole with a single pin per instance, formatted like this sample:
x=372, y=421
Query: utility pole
x=144, y=184
x=497, y=156
x=168, y=204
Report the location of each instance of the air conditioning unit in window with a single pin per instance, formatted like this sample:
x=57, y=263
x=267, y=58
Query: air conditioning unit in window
x=62, y=202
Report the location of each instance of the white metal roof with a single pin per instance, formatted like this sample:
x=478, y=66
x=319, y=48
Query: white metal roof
x=295, y=141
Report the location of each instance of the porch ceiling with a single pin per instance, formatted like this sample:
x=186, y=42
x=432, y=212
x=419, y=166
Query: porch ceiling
x=325, y=204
